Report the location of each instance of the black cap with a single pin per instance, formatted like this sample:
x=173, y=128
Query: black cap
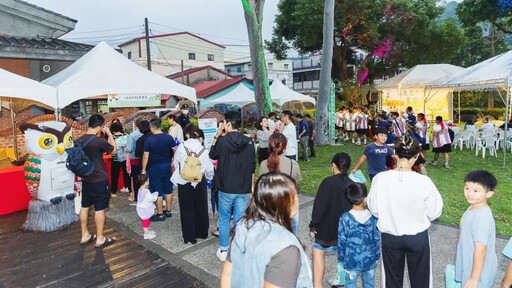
x=184, y=106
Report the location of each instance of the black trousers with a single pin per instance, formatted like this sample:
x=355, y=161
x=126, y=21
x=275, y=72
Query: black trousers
x=395, y=250
x=263, y=154
x=194, y=211
x=114, y=173
x=311, y=145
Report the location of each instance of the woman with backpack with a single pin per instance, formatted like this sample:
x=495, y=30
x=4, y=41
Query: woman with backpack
x=119, y=159
x=192, y=166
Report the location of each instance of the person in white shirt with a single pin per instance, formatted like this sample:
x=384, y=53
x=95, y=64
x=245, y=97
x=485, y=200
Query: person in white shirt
x=271, y=121
x=175, y=130
x=487, y=126
x=405, y=204
x=192, y=196
x=441, y=142
x=291, y=134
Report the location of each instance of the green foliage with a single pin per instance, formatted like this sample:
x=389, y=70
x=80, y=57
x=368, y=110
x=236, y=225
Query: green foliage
x=473, y=12
x=450, y=185
x=165, y=126
x=311, y=112
x=194, y=122
x=411, y=26
x=496, y=113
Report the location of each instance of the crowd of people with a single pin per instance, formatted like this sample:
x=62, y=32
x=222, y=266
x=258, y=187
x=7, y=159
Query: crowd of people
x=389, y=223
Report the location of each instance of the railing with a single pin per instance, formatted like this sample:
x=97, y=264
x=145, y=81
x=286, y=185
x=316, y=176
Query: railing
x=306, y=85
x=307, y=63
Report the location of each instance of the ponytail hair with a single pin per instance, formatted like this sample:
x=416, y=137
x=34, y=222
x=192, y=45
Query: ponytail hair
x=407, y=147
x=342, y=162
x=277, y=144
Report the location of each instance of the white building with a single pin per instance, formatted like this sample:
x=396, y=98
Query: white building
x=281, y=70
x=168, y=50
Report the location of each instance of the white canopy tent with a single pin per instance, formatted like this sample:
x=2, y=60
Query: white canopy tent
x=491, y=74
x=240, y=96
x=21, y=92
x=104, y=71
x=409, y=89
x=281, y=94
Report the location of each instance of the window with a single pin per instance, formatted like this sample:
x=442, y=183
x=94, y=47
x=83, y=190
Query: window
x=238, y=69
x=283, y=81
x=286, y=66
x=270, y=65
x=248, y=66
x=211, y=57
x=192, y=56
x=229, y=70
x=130, y=55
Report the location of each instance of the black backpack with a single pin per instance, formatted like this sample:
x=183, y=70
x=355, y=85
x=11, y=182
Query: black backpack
x=139, y=145
x=78, y=162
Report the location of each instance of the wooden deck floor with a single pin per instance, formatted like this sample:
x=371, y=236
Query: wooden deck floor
x=56, y=260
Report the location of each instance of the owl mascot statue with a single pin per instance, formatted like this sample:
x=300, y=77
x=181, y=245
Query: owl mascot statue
x=49, y=182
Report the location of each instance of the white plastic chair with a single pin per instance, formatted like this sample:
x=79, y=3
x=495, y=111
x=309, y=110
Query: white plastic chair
x=465, y=137
x=486, y=142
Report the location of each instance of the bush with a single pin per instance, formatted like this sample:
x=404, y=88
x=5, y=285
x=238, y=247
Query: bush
x=194, y=121
x=311, y=112
x=473, y=113
x=497, y=113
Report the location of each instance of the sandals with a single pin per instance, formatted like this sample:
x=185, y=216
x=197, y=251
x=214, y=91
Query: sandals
x=108, y=242
x=91, y=239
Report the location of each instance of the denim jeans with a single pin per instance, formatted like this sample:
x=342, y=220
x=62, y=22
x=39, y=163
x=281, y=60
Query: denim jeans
x=368, y=278
x=295, y=224
x=239, y=203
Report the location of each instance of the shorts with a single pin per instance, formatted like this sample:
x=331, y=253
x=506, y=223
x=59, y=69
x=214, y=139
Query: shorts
x=425, y=147
x=362, y=132
x=321, y=247
x=160, y=180
x=447, y=148
x=97, y=194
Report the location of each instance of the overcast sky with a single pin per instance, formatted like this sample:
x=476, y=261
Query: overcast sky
x=221, y=21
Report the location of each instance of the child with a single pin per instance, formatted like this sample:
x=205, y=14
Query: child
x=398, y=125
x=476, y=263
x=358, y=239
x=376, y=154
x=146, y=205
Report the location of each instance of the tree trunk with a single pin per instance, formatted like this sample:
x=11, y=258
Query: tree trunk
x=253, y=10
x=324, y=92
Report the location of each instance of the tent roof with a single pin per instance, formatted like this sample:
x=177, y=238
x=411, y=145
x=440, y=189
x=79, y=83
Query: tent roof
x=240, y=96
x=281, y=94
x=103, y=70
x=16, y=86
x=488, y=74
x=420, y=75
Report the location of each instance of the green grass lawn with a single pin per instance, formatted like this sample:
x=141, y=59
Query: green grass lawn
x=449, y=182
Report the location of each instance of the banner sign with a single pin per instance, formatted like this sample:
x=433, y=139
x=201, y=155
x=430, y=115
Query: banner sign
x=209, y=127
x=133, y=100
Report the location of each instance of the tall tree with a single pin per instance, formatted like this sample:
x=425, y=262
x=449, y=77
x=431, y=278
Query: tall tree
x=322, y=117
x=389, y=33
x=253, y=11
x=496, y=12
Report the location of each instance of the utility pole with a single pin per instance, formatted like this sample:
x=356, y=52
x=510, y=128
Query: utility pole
x=182, y=73
x=147, y=44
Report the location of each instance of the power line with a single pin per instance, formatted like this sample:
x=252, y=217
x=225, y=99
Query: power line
x=180, y=29
x=107, y=30
x=105, y=36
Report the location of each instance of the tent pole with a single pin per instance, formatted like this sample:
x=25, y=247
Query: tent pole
x=14, y=134
x=506, y=125
x=459, y=106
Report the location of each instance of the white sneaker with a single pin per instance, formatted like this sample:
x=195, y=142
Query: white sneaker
x=222, y=255
x=150, y=235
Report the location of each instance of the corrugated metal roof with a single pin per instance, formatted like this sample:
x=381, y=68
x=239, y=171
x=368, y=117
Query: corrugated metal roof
x=45, y=10
x=42, y=43
x=205, y=89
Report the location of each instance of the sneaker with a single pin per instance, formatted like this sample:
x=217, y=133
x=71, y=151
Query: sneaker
x=446, y=166
x=124, y=190
x=150, y=235
x=222, y=254
x=158, y=217
x=433, y=163
x=168, y=213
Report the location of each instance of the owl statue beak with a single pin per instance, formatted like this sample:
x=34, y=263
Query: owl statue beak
x=60, y=148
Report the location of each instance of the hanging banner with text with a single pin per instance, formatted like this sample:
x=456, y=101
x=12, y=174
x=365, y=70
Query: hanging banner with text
x=133, y=100
x=209, y=127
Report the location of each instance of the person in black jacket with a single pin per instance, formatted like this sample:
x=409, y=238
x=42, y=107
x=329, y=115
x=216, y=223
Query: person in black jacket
x=235, y=175
x=330, y=203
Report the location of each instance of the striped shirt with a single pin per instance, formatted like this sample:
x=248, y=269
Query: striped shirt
x=398, y=126
x=423, y=130
x=362, y=121
x=350, y=123
x=440, y=137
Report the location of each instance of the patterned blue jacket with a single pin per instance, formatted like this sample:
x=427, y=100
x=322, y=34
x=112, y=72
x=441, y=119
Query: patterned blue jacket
x=358, y=244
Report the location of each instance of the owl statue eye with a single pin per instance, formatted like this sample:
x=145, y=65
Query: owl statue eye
x=69, y=140
x=47, y=141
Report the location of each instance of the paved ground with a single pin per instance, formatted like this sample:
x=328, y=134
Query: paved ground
x=56, y=259
x=199, y=260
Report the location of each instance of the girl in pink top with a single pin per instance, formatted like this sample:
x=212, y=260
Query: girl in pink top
x=441, y=142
